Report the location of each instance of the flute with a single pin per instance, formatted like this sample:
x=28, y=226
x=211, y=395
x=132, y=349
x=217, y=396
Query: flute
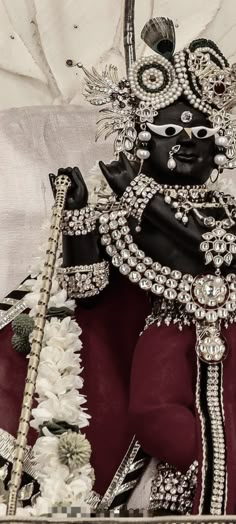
x=62, y=183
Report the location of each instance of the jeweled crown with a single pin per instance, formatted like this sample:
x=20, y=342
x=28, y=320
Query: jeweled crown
x=200, y=73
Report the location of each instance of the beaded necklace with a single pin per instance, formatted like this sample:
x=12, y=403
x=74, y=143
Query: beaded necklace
x=208, y=300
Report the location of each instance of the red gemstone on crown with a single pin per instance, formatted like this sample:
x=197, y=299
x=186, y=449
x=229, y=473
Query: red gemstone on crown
x=219, y=88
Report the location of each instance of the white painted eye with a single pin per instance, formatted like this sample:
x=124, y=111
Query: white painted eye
x=167, y=130
x=204, y=132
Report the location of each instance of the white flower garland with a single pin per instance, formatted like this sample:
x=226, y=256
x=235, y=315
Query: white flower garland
x=61, y=461
x=64, y=480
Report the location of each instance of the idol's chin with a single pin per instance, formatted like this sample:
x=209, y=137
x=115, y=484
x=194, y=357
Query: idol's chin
x=187, y=171
x=186, y=167
x=185, y=176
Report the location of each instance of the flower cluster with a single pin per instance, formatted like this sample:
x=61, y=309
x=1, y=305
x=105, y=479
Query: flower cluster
x=58, y=297
x=61, y=452
x=62, y=461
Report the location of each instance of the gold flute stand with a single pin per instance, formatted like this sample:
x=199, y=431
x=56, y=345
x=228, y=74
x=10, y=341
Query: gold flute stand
x=62, y=184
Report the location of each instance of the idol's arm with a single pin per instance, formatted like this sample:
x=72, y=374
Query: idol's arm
x=81, y=250
x=77, y=249
x=84, y=273
x=161, y=234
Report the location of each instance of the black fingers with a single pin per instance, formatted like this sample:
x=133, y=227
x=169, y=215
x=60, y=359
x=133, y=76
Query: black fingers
x=105, y=171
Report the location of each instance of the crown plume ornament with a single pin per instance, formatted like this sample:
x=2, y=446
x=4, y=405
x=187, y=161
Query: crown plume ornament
x=159, y=34
x=199, y=73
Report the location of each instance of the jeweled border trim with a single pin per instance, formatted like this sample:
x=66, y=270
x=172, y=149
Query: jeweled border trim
x=13, y=304
x=203, y=435
x=213, y=493
x=120, y=483
x=7, y=448
x=215, y=408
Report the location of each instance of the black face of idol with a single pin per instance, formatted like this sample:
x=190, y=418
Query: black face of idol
x=195, y=158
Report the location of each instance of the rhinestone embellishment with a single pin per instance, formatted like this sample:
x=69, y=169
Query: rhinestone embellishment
x=211, y=346
x=208, y=300
x=210, y=291
x=186, y=117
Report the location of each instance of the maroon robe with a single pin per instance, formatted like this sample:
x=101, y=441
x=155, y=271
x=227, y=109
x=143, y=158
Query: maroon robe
x=143, y=385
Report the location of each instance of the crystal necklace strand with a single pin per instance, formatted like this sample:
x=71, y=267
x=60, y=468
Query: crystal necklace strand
x=218, y=245
x=183, y=200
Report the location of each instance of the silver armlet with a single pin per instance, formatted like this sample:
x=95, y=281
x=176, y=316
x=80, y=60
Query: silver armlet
x=137, y=195
x=84, y=281
x=78, y=221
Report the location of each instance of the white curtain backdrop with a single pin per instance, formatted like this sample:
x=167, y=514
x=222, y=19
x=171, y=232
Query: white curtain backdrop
x=38, y=36
x=44, y=121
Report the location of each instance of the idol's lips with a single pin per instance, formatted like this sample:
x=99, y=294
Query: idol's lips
x=186, y=157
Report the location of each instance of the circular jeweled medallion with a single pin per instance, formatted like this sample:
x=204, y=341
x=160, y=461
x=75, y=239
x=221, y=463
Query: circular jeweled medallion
x=210, y=291
x=211, y=346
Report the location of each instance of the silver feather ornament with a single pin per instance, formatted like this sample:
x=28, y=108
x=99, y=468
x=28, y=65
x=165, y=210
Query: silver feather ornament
x=159, y=34
x=99, y=87
x=118, y=116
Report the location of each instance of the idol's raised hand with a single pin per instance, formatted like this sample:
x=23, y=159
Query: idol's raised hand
x=118, y=174
x=77, y=195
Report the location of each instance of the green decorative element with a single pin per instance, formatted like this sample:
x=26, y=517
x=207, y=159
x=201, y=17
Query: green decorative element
x=201, y=43
x=59, y=312
x=22, y=327
x=74, y=450
x=58, y=427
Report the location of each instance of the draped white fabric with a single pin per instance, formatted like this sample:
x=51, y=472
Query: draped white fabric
x=38, y=36
x=33, y=143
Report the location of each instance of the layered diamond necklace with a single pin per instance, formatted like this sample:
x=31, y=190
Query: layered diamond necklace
x=209, y=300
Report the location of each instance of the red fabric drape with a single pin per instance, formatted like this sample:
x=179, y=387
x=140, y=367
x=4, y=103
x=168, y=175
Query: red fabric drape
x=133, y=384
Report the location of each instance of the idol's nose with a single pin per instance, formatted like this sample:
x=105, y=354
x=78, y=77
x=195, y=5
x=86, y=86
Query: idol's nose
x=188, y=130
x=185, y=137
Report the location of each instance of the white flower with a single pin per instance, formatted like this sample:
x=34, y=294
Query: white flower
x=45, y=453
x=59, y=299
x=58, y=296
x=63, y=333
x=50, y=380
x=58, y=383
x=51, y=354
x=41, y=507
x=55, y=488
x=65, y=408
x=65, y=360
x=78, y=490
x=70, y=361
x=23, y=512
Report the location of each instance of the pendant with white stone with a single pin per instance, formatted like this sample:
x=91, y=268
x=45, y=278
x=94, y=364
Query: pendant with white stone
x=171, y=164
x=211, y=346
x=219, y=246
x=211, y=295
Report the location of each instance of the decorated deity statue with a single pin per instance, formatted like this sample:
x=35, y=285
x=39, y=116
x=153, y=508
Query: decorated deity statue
x=149, y=276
